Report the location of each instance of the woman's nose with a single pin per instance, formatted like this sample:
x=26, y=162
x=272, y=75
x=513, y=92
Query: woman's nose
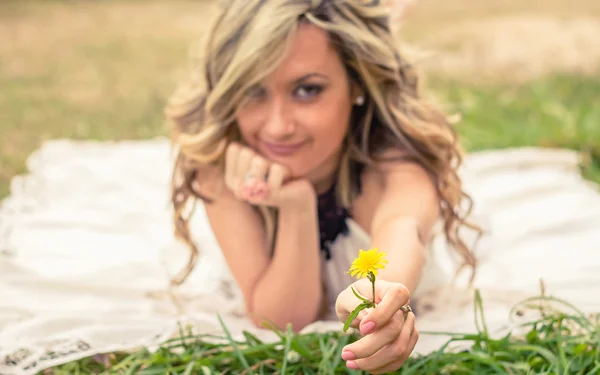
x=279, y=123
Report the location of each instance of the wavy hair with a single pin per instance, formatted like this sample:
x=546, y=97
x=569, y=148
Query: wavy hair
x=246, y=43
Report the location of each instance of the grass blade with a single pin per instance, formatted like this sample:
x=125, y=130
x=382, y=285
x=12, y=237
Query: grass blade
x=288, y=343
x=238, y=353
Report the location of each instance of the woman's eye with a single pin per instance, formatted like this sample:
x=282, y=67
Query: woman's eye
x=308, y=91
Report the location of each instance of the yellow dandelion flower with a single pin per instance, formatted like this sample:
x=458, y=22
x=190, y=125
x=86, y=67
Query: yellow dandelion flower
x=366, y=262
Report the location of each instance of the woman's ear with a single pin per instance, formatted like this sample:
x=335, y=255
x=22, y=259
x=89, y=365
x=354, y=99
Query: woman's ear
x=357, y=94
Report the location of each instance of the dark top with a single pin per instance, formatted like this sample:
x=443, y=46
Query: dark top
x=332, y=216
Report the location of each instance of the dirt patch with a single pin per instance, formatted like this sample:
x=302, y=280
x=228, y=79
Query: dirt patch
x=514, y=48
x=88, y=53
x=483, y=40
x=50, y=32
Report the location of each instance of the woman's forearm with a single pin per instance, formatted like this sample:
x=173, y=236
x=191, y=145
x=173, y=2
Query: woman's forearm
x=290, y=289
x=399, y=238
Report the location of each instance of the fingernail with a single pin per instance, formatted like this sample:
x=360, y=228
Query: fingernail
x=348, y=355
x=368, y=327
x=352, y=365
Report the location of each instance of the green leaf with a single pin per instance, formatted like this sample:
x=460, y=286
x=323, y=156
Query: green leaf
x=371, y=277
x=299, y=346
x=532, y=336
x=251, y=339
x=355, y=313
x=580, y=348
x=359, y=296
x=189, y=368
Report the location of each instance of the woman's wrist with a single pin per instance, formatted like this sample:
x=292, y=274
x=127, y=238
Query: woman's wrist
x=302, y=197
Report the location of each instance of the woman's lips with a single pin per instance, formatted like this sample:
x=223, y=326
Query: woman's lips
x=281, y=149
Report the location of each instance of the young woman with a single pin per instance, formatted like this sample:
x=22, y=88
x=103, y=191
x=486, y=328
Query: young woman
x=304, y=133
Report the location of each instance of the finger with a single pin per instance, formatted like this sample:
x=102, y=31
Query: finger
x=242, y=167
x=379, y=340
x=257, y=188
x=390, y=367
x=231, y=156
x=277, y=175
x=394, y=296
x=396, y=349
x=395, y=365
x=259, y=167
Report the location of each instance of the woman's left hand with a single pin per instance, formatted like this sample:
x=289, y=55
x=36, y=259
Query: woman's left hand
x=389, y=333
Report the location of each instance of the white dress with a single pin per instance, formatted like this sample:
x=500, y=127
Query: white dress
x=86, y=252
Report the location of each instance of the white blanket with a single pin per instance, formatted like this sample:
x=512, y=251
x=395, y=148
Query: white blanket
x=86, y=251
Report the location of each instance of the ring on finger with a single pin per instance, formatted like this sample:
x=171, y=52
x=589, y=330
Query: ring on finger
x=406, y=309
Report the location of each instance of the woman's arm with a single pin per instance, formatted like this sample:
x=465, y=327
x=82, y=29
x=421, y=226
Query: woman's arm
x=403, y=220
x=291, y=289
x=287, y=287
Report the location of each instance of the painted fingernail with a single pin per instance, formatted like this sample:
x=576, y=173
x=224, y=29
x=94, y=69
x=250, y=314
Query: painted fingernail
x=368, y=327
x=352, y=365
x=348, y=355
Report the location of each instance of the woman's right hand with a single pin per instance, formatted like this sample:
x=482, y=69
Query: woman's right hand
x=254, y=179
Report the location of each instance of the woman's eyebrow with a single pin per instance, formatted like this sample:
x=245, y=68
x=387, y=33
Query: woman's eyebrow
x=310, y=75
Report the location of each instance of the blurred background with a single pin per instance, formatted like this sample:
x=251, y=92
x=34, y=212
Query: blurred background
x=517, y=72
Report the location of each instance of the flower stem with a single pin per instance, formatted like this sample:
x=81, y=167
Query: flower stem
x=372, y=279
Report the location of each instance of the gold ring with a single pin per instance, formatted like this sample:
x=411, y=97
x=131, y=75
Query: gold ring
x=406, y=309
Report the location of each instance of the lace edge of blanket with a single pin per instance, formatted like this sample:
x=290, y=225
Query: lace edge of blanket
x=32, y=360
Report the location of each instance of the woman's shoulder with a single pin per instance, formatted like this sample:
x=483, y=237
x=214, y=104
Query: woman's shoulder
x=391, y=159
x=388, y=164
x=393, y=173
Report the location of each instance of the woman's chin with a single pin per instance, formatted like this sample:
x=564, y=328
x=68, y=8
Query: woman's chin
x=300, y=170
x=297, y=173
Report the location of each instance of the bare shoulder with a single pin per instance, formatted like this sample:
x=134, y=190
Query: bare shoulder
x=396, y=188
x=398, y=168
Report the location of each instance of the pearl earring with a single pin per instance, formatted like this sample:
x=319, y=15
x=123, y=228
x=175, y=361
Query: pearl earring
x=360, y=100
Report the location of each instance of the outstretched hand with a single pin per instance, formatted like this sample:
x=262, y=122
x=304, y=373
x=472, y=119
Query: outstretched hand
x=389, y=333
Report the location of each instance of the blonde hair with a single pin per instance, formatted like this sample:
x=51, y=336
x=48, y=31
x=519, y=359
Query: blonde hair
x=247, y=42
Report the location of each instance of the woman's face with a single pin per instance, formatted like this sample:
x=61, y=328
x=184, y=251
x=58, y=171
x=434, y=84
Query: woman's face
x=299, y=115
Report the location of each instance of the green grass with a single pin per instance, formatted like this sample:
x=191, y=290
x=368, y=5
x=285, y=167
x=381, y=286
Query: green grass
x=103, y=70
x=556, y=111
x=86, y=70
x=559, y=341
